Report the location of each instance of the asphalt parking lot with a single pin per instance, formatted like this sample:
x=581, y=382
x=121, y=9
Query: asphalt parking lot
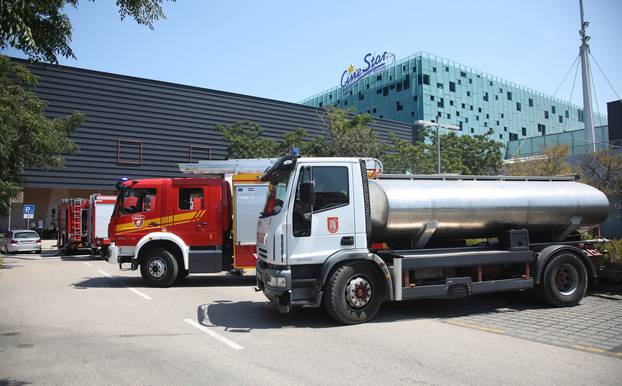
x=74, y=320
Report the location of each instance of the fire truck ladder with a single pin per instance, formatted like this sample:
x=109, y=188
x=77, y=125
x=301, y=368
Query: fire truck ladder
x=255, y=165
x=76, y=225
x=231, y=166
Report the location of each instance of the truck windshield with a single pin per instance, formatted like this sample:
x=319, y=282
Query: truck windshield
x=136, y=200
x=276, y=194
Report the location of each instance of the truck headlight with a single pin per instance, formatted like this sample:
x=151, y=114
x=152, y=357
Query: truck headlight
x=276, y=281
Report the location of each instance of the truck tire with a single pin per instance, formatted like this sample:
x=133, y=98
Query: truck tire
x=159, y=268
x=353, y=293
x=564, y=282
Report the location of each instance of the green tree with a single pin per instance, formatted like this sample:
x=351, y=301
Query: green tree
x=350, y=135
x=466, y=155
x=407, y=157
x=552, y=162
x=41, y=30
x=469, y=155
x=27, y=137
x=244, y=140
x=346, y=135
x=603, y=170
x=299, y=138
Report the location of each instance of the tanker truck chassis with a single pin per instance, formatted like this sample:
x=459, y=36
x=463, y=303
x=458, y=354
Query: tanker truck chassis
x=331, y=236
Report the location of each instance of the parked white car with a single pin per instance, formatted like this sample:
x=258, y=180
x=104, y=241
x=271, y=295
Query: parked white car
x=20, y=241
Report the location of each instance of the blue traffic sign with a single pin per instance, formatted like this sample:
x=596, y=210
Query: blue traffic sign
x=29, y=211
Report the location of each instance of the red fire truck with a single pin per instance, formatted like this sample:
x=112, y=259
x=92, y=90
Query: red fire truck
x=170, y=227
x=99, y=212
x=72, y=223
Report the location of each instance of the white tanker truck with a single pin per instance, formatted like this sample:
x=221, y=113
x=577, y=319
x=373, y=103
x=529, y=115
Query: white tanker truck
x=338, y=233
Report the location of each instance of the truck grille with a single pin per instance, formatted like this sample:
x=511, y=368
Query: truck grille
x=262, y=253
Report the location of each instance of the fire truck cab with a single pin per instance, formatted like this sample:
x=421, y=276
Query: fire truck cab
x=171, y=227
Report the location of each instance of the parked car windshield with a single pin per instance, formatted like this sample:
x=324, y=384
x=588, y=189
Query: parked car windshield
x=26, y=235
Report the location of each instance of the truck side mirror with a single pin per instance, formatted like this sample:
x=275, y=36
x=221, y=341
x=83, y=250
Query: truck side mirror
x=307, y=192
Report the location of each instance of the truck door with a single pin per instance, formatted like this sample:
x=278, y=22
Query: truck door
x=328, y=226
x=138, y=213
x=190, y=214
x=197, y=219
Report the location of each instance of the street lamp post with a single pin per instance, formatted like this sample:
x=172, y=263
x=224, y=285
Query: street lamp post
x=438, y=144
x=437, y=125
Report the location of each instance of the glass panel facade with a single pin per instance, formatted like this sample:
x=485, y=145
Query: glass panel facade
x=575, y=140
x=410, y=90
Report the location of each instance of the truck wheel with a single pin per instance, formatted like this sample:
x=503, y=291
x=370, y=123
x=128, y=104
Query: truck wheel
x=159, y=268
x=564, y=282
x=353, y=293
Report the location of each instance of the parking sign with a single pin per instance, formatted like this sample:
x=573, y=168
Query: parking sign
x=29, y=211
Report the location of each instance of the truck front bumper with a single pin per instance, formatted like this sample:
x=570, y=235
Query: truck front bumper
x=120, y=255
x=112, y=254
x=276, y=284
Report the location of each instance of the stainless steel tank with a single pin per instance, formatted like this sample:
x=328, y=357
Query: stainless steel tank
x=471, y=208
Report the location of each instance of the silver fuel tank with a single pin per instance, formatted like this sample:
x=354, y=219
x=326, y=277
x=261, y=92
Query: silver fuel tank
x=478, y=207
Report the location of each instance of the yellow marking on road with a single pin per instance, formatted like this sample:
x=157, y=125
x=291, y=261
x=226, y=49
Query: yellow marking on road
x=476, y=326
x=588, y=348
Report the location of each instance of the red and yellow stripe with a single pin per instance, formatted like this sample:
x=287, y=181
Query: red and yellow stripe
x=182, y=218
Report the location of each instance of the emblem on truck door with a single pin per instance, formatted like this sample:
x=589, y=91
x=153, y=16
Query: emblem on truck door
x=332, y=224
x=138, y=220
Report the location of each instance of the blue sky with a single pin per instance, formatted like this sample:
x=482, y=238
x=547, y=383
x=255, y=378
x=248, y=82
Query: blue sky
x=290, y=50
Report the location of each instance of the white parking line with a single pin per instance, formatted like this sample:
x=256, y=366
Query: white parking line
x=104, y=273
x=214, y=334
x=88, y=264
x=137, y=292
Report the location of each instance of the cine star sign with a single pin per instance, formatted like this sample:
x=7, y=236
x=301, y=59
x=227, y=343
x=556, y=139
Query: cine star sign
x=352, y=75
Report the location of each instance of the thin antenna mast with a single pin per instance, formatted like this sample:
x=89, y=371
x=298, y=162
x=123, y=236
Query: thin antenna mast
x=584, y=52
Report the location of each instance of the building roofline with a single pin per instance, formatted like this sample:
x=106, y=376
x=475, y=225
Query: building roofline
x=182, y=85
x=137, y=78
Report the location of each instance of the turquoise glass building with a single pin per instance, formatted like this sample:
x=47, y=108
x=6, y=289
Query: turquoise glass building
x=424, y=86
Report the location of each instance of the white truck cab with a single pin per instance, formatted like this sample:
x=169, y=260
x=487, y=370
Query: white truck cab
x=314, y=211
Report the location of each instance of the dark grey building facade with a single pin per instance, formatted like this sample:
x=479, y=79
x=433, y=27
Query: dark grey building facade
x=141, y=128
x=614, y=112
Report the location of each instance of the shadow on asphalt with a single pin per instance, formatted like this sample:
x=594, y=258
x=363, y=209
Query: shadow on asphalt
x=9, y=266
x=246, y=316
x=191, y=281
x=13, y=382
